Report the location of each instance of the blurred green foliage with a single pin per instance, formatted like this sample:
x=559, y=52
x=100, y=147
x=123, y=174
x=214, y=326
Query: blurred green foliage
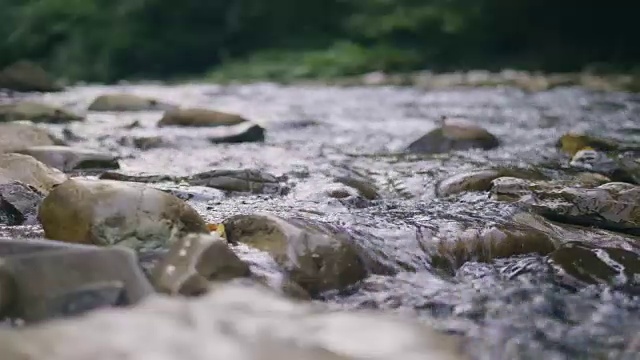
x=107, y=40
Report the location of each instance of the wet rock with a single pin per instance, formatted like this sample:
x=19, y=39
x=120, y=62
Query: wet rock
x=244, y=132
x=70, y=280
x=36, y=112
x=366, y=187
x=312, y=254
x=19, y=204
x=67, y=158
x=571, y=143
x=28, y=170
x=144, y=142
x=454, y=134
x=340, y=192
x=199, y=118
x=236, y=321
x=468, y=181
x=247, y=180
x=105, y=212
x=15, y=137
x=453, y=244
x=128, y=102
x=193, y=261
x=617, y=167
x=27, y=76
x=578, y=264
x=614, y=206
x=482, y=180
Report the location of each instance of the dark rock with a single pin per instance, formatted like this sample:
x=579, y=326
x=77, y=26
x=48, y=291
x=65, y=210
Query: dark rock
x=19, y=204
x=618, y=167
x=454, y=134
x=26, y=76
x=578, y=264
x=245, y=132
x=247, y=180
x=53, y=283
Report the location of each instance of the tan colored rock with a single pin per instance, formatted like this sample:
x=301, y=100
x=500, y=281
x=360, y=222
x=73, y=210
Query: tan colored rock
x=14, y=137
x=105, y=212
x=28, y=170
x=67, y=158
x=468, y=181
x=193, y=261
x=199, y=118
x=454, y=134
x=27, y=76
x=128, y=102
x=312, y=255
x=36, y=112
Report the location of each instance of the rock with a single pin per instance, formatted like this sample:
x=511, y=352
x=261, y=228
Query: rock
x=70, y=280
x=455, y=244
x=236, y=321
x=454, y=134
x=105, y=212
x=248, y=180
x=578, y=264
x=19, y=204
x=619, y=168
x=27, y=76
x=67, y=158
x=144, y=142
x=613, y=206
x=312, y=254
x=199, y=118
x=15, y=137
x=36, y=112
x=244, y=132
x=193, y=261
x=571, y=143
x=366, y=187
x=468, y=181
x=28, y=170
x=128, y=102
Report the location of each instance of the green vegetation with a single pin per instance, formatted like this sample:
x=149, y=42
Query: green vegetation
x=108, y=40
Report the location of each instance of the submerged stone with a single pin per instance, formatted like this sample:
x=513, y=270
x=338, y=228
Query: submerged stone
x=310, y=253
x=617, y=167
x=571, y=143
x=128, y=102
x=66, y=158
x=578, y=264
x=104, y=212
x=36, y=112
x=247, y=180
x=199, y=118
x=454, y=134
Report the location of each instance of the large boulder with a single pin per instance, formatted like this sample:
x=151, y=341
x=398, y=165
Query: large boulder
x=105, y=212
x=27, y=76
x=36, y=112
x=28, y=170
x=14, y=137
x=233, y=322
x=199, y=118
x=67, y=158
x=128, y=102
x=312, y=254
x=454, y=134
x=193, y=261
x=46, y=281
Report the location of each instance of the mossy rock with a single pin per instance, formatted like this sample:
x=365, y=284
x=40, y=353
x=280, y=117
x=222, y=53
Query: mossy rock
x=199, y=118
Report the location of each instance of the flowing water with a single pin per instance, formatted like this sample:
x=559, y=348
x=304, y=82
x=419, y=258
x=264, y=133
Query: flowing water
x=506, y=308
